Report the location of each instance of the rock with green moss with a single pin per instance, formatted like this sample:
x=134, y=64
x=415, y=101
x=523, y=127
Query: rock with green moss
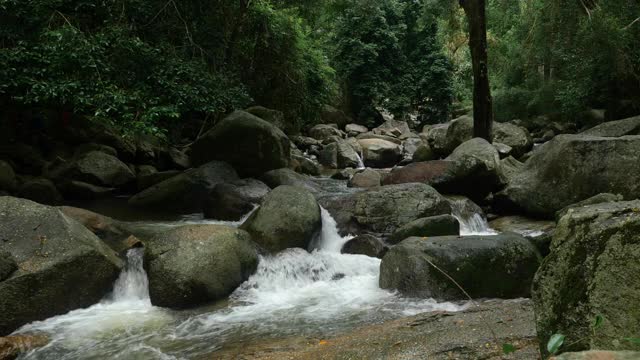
x=593, y=270
x=498, y=266
x=289, y=217
x=441, y=225
x=251, y=145
x=62, y=266
x=571, y=168
x=195, y=264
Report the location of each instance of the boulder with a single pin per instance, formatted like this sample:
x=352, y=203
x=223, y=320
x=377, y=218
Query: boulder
x=231, y=201
x=25, y=159
x=145, y=181
x=436, y=137
x=423, y=153
x=331, y=115
x=40, y=190
x=187, y=191
x=509, y=167
x=7, y=265
x=11, y=347
x=173, y=158
x=339, y=155
x=539, y=232
x=395, y=128
x=7, y=177
x=571, y=168
x=250, y=144
x=593, y=270
x=459, y=131
x=503, y=150
x=497, y=266
x=409, y=147
x=440, y=225
x=288, y=217
x=304, y=165
x=196, y=264
x=273, y=117
x=322, y=132
x=354, y=130
x=54, y=255
x=94, y=167
x=597, y=199
x=365, y=179
x=89, y=147
x=516, y=137
x=380, y=153
x=370, y=136
x=278, y=177
x=630, y=126
x=428, y=172
x=383, y=209
x=368, y=245
x=305, y=143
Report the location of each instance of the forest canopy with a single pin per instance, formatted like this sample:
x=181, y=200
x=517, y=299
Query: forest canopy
x=147, y=64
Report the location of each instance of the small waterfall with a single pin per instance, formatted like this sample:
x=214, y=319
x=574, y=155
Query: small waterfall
x=330, y=240
x=132, y=284
x=360, y=161
x=471, y=218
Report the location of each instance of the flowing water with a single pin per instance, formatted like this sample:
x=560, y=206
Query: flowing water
x=471, y=219
x=296, y=292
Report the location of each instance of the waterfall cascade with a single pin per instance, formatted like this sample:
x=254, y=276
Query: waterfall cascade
x=472, y=221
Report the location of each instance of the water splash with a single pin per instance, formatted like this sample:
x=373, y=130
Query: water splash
x=132, y=284
x=360, y=161
x=470, y=217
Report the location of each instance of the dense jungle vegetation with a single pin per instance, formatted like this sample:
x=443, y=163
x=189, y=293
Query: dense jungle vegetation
x=146, y=65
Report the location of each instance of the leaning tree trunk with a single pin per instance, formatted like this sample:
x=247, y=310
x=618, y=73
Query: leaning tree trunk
x=482, y=103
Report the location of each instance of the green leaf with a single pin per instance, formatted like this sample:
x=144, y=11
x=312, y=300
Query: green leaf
x=633, y=340
x=598, y=321
x=555, y=342
x=508, y=348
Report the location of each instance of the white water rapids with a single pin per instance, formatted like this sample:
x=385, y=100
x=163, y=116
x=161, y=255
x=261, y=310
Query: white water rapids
x=295, y=292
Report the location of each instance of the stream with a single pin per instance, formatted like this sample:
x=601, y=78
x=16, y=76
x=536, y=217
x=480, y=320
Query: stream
x=296, y=292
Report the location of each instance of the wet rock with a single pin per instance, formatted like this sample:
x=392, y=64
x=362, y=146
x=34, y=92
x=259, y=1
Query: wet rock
x=322, y=132
x=7, y=265
x=7, y=177
x=278, y=177
x=288, y=217
x=145, y=181
x=79, y=190
x=40, y=190
x=368, y=245
x=383, y=209
x=497, y=266
x=354, y=130
x=630, y=126
x=593, y=269
x=195, y=264
x=96, y=168
x=250, y=144
x=187, y=191
x=571, y=168
x=89, y=147
x=53, y=253
x=380, y=153
x=231, y=201
x=11, y=347
x=440, y=225
x=365, y=179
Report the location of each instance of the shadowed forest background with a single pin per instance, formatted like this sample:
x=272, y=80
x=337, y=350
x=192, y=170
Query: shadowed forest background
x=154, y=66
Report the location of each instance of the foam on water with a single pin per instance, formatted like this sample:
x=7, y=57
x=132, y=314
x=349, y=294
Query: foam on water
x=295, y=292
x=472, y=222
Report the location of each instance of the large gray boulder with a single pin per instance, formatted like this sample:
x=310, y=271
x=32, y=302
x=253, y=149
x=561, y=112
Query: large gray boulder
x=278, y=177
x=187, y=191
x=61, y=265
x=288, y=217
x=355, y=129
x=365, y=179
x=380, y=153
x=498, y=266
x=436, y=138
x=593, y=270
x=94, y=167
x=517, y=137
x=630, y=126
x=339, y=155
x=274, y=117
x=396, y=128
x=571, y=168
x=195, y=264
x=366, y=244
x=383, y=209
x=231, y=201
x=250, y=144
x=323, y=132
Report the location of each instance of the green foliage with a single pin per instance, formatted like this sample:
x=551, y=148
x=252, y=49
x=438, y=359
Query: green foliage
x=388, y=55
x=508, y=349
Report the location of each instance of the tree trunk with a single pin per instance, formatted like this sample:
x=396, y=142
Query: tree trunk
x=482, y=103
